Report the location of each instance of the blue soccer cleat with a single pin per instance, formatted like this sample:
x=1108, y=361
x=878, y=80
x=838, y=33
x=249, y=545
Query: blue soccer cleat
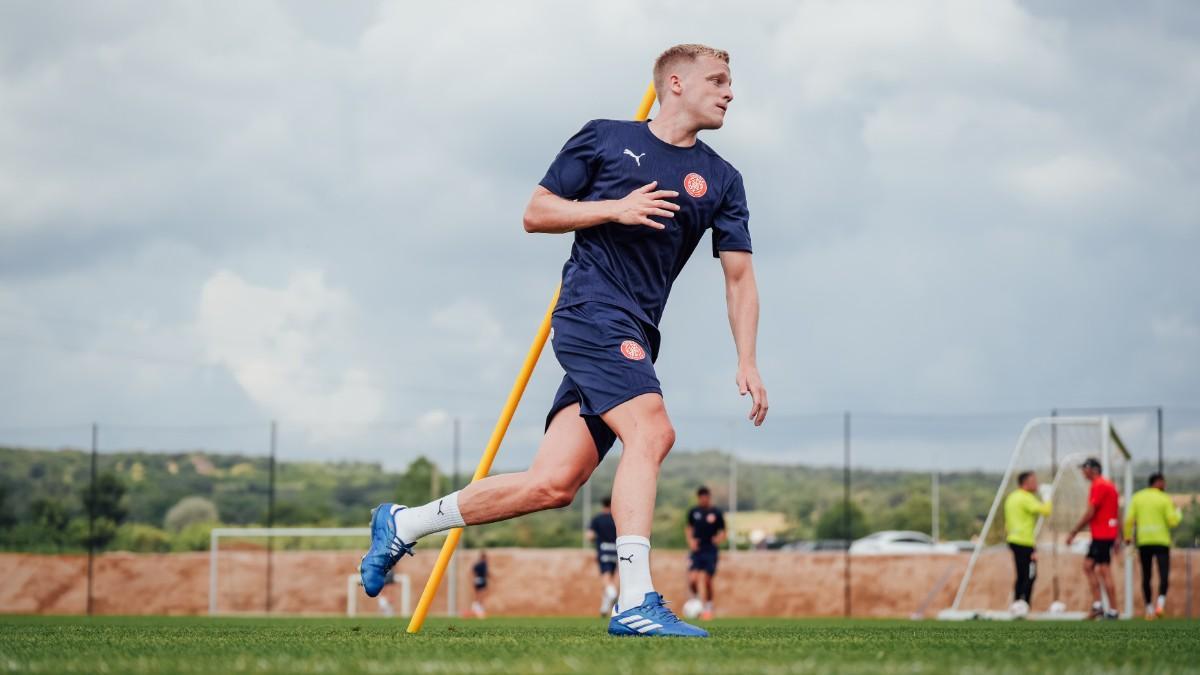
x=386, y=549
x=652, y=619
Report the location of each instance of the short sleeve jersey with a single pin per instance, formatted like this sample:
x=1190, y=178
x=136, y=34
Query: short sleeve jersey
x=480, y=569
x=705, y=524
x=605, y=530
x=634, y=266
x=1103, y=496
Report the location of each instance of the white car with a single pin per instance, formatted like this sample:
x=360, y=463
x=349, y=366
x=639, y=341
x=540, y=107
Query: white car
x=901, y=543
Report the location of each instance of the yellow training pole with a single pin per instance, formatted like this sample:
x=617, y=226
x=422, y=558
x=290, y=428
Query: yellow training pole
x=506, y=415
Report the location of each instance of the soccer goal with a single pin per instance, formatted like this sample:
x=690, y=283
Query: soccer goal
x=1053, y=448
x=292, y=570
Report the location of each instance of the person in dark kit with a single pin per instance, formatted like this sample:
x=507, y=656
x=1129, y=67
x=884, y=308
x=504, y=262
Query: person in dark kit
x=480, y=572
x=603, y=532
x=705, y=533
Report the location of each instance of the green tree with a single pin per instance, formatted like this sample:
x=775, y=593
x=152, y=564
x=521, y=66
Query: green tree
x=49, y=514
x=831, y=524
x=7, y=519
x=416, y=483
x=191, y=509
x=105, y=498
x=104, y=501
x=914, y=513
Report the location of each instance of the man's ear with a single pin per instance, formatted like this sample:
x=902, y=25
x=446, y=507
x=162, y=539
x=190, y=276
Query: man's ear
x=675, y=83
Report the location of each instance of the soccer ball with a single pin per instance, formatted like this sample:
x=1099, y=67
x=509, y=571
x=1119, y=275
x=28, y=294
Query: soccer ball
x=1058, y=607
x=1019, y=609
x=693, y=608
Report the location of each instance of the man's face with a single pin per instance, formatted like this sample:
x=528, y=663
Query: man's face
x=704, y=501
x=706, y=90
x=1161, y=484
x=1031, y=483
x=1090, y=473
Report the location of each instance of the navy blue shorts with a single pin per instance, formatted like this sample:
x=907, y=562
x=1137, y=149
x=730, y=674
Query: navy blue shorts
x=704, y=561
x=608, y=356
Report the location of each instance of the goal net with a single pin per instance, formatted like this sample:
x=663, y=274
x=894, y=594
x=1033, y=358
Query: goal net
x=295, y=570
x=1053, y=448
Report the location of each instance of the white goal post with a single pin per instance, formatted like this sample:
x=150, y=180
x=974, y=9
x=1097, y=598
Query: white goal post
x=1053, y=448
x=270, y=532
x=354, y=583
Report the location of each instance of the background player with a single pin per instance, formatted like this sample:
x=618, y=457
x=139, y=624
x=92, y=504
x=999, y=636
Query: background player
x=480, y=573
x=1152, y=514
x=1021, y=511
x=705, y=532
x=603, y=532
x=638, y=197
x=1102, y=516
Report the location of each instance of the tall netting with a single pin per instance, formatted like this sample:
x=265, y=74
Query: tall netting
x=1053, y=448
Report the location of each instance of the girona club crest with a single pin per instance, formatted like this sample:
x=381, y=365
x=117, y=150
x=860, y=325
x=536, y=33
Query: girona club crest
x=632, y=350
x=695, y=185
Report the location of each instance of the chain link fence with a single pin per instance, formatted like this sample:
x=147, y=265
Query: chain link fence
x=97, y=506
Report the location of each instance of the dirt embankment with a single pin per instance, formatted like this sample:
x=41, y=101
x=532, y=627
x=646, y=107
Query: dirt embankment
x=544, y=582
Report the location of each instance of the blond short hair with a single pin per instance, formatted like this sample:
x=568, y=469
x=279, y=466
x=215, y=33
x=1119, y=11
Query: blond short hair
x=680, y=54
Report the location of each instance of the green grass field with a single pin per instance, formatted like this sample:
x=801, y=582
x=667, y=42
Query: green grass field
x=201, y=645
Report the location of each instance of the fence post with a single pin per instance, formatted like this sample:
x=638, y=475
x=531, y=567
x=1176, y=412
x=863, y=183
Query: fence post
x=91, y=507
x=271, y=516
x=846, y=512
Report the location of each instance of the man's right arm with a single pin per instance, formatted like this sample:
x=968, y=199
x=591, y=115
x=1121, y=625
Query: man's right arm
x=551, y=214
x=1087, y=517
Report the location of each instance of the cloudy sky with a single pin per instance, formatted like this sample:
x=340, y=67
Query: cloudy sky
x=217, y=214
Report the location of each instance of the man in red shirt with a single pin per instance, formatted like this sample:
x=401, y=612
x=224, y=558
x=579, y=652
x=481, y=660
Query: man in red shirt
x=1103, y=515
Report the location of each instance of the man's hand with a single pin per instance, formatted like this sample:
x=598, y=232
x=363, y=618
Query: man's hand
x=1033, y=556
x=637, y=207
x=1070, y=538
x=749, y=382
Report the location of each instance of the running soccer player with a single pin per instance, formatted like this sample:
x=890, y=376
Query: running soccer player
x=638, y=197
x=705, y=532
x=1152, y=513
x=603, y=532
x=1022, y=508
x=1102, y=517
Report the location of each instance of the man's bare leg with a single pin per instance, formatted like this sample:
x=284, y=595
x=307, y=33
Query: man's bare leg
x=565, y=459
x=646, y=437
x=1104, y=572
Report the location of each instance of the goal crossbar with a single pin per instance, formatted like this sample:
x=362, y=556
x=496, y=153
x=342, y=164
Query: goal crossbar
x=258, y=532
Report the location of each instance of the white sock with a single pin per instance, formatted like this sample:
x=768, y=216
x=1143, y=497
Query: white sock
x=436, y=516
x=633, y=556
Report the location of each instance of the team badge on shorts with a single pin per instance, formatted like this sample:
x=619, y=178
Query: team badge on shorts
x=632, y=350
x=695, y=185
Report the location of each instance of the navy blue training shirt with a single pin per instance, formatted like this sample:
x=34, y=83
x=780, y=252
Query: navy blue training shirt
x=633, y=266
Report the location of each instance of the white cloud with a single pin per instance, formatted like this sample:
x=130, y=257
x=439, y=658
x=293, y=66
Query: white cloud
x=945, y=196
x=1070, y=179
x=837, y=49
x=288, y=347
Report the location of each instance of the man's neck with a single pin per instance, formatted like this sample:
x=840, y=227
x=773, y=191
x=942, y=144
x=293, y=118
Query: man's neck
x=674, y=129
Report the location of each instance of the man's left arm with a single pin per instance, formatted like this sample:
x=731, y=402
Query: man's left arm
x=722, y=533
x=741, y=298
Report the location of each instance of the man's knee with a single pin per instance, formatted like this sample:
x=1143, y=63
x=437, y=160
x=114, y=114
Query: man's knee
x=552, y=492
x=656, y=439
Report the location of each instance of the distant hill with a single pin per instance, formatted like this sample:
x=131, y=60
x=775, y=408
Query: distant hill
x=44, y=498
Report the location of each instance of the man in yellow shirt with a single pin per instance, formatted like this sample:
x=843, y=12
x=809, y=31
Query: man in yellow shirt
x=1153, y=514
x=1022, y=508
